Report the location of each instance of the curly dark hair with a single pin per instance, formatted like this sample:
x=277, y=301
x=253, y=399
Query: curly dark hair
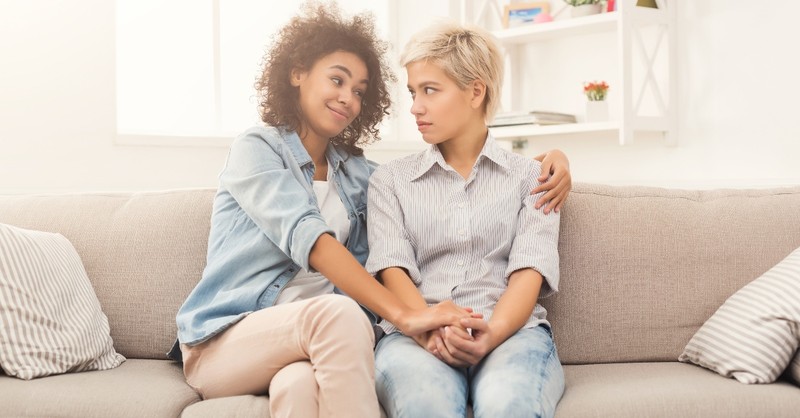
x=316, y=32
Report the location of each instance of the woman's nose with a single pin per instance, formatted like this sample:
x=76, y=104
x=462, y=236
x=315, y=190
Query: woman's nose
x=416, y=107
x=344, y=98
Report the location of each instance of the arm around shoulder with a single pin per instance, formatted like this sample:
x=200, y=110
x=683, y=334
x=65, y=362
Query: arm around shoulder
x=556, y=181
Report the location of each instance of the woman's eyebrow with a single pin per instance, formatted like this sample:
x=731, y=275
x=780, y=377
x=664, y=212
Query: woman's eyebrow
x=424, y=84
x=347, y=71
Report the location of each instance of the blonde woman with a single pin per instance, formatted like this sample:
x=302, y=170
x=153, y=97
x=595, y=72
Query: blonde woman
x=457, y=223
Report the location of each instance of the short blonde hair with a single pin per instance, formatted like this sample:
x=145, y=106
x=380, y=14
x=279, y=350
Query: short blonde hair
x=465, y=53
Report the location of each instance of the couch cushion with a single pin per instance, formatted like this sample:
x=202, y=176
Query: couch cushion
x=753, y=336
x=137, y=388
x=669, y=390
x=143, y=252
x=643, y=268
x=50, y=319
x=612, y=390
x=233, y=406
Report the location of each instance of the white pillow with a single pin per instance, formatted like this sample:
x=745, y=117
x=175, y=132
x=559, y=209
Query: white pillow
x=753, y=336
x=50, y=318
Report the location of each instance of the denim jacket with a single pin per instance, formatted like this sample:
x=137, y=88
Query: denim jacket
x=265, y=221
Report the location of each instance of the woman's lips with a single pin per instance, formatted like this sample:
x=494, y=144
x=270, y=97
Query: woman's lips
x=340, y=114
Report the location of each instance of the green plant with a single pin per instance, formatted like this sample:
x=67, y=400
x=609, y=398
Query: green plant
x=581, y=2
x=596, y=90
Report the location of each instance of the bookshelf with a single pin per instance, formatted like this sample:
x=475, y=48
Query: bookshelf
x=628, y=22
x=525, y=131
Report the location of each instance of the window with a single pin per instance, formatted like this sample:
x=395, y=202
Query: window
x=186, y=68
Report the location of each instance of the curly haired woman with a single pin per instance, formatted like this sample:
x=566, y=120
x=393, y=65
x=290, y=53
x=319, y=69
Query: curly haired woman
x=288, y=235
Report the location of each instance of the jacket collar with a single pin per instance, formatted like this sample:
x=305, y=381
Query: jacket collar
x=335, y=155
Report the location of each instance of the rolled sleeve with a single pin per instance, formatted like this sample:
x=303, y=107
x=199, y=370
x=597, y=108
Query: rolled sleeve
x=389, y=244
x=536, y=244
x=271, y=196
x=304, y=236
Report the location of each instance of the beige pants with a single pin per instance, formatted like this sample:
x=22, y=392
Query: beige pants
x=314, y=358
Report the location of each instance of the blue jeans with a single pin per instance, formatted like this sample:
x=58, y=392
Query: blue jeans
x=521, y=378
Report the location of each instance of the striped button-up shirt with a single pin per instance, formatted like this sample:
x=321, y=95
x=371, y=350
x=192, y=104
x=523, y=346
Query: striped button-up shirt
x=461, y=239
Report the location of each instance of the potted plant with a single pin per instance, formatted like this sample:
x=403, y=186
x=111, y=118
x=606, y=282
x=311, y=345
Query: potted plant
x=596, y=106
x=584, y=7
x=595, y=91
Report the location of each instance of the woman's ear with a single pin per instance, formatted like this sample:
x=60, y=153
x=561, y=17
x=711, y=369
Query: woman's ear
x=478, y=89
x=297, y=76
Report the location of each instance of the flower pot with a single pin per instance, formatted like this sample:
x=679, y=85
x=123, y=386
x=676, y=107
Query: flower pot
x=586, y=10
x=596, y=111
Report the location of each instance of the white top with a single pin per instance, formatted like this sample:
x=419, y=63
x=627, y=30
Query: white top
x=307, y=285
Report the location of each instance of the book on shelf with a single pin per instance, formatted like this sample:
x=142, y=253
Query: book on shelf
x=534, y=117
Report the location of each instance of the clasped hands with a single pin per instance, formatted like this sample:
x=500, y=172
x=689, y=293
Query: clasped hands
x=462, y=343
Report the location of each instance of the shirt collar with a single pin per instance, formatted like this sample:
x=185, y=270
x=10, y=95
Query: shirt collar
x=432, y=156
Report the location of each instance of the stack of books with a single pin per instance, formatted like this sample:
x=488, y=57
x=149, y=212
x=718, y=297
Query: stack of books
x=533, y=117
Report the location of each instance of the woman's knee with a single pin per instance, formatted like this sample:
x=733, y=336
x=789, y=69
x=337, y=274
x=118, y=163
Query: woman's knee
x=522, y=377
x=538, y=401
x=342, y=313
x=411, y=382
x=294, y=391
x=295, y=379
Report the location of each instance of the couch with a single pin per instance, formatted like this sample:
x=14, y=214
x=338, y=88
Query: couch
x=641, y=270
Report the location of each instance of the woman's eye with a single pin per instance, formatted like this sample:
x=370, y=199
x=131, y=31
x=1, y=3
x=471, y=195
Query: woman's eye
x=412, y=94
x=337, y=81
x=429, y=90
x=359, y=93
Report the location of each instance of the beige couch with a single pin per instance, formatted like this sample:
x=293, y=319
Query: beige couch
x=641, y=270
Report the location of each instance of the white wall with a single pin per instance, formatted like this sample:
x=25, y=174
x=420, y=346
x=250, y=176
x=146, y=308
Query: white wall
x=57, y=120
x=737, y=88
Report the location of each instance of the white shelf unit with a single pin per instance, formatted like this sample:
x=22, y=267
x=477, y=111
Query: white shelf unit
x=627, y=21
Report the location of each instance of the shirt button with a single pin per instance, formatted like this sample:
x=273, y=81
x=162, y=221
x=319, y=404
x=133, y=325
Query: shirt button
x=461, y=232
x=461, y=206
x=460, y=262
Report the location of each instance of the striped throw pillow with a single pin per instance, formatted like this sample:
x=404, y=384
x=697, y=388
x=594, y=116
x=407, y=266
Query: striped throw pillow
x=50, y=318
x=753, y=336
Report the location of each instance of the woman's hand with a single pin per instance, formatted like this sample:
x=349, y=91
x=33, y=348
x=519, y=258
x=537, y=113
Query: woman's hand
x=427, y=340
x=555, y=180
x=468, y=349
x=417, y=321
x=433, y=341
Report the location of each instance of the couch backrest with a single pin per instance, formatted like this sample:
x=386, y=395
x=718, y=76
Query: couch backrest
x=643, y=268
x=143, y=252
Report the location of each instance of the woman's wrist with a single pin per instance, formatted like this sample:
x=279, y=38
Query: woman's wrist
x=398, y=316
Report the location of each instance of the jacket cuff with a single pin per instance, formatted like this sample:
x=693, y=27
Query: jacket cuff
x=304, y=237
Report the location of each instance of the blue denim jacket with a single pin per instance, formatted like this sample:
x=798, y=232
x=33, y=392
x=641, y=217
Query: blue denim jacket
x=265, y=221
